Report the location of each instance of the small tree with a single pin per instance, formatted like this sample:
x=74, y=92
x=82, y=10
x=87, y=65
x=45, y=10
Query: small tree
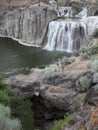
x=76, y=8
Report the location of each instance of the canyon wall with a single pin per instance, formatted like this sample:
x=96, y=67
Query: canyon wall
x=28, y=24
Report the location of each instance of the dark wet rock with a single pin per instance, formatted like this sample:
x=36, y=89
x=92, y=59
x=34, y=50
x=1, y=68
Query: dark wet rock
x=48, y=126
x=92, y=95
x=45, y=113
x=26, y=85
x=53, y=103
x=61, y=98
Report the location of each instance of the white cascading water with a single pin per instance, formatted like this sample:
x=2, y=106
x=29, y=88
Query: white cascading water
x=65, y=35
x=82, y=14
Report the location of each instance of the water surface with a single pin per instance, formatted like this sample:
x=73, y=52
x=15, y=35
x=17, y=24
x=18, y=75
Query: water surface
x=16, y=58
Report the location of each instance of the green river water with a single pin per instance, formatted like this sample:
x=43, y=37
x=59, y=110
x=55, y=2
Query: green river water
x=16, y=58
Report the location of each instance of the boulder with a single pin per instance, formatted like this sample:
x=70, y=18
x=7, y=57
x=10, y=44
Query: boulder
x=60, y=98
x=26, y=86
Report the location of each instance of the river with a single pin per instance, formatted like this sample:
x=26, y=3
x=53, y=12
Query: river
x=16, y=58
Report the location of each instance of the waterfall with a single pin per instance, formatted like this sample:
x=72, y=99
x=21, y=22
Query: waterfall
x=82, y=14
x=65, y=35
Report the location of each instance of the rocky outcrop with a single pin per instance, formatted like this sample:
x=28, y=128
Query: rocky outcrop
x=92, y=10
x=80, y=119
x=72, y=88
x=28, y=24
x=92, y=24
x=58, y=92
x=37, y=82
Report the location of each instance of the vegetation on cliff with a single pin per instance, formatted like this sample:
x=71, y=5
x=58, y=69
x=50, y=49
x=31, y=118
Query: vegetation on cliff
x=59, y=123
x=95, y=33
x=12, y=106
x=6, y=97
x=6, y=121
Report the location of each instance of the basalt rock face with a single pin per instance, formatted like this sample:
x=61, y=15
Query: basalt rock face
x=29, y=25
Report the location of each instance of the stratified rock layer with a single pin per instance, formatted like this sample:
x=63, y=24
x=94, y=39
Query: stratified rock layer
x=29, y=25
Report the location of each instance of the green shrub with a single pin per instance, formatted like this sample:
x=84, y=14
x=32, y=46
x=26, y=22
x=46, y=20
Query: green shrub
x=76, y=53
x=81, y=98
x=4, y=98
x=93, y=49
x=60, y=17
x=65, y=58
x=94, y=65
x=59, y=123
x=83, y=83
x=2, y=84
x=26, y=115
x=22, y=110
x=84, y=56
x=19, y=108
x=95, y=33
x=76, y=8
x=6, y=123
x=5, y=111
x=50, y=70
x=85, y=53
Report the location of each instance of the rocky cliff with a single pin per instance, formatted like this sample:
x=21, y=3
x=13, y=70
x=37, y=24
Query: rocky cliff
x=71, y=87
x=28, y=24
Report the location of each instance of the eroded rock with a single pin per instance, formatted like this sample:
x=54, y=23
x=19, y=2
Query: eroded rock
x=27, y=24
x=61, y=98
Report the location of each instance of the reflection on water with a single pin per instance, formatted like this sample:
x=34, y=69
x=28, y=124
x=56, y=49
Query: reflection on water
x=16, y=58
